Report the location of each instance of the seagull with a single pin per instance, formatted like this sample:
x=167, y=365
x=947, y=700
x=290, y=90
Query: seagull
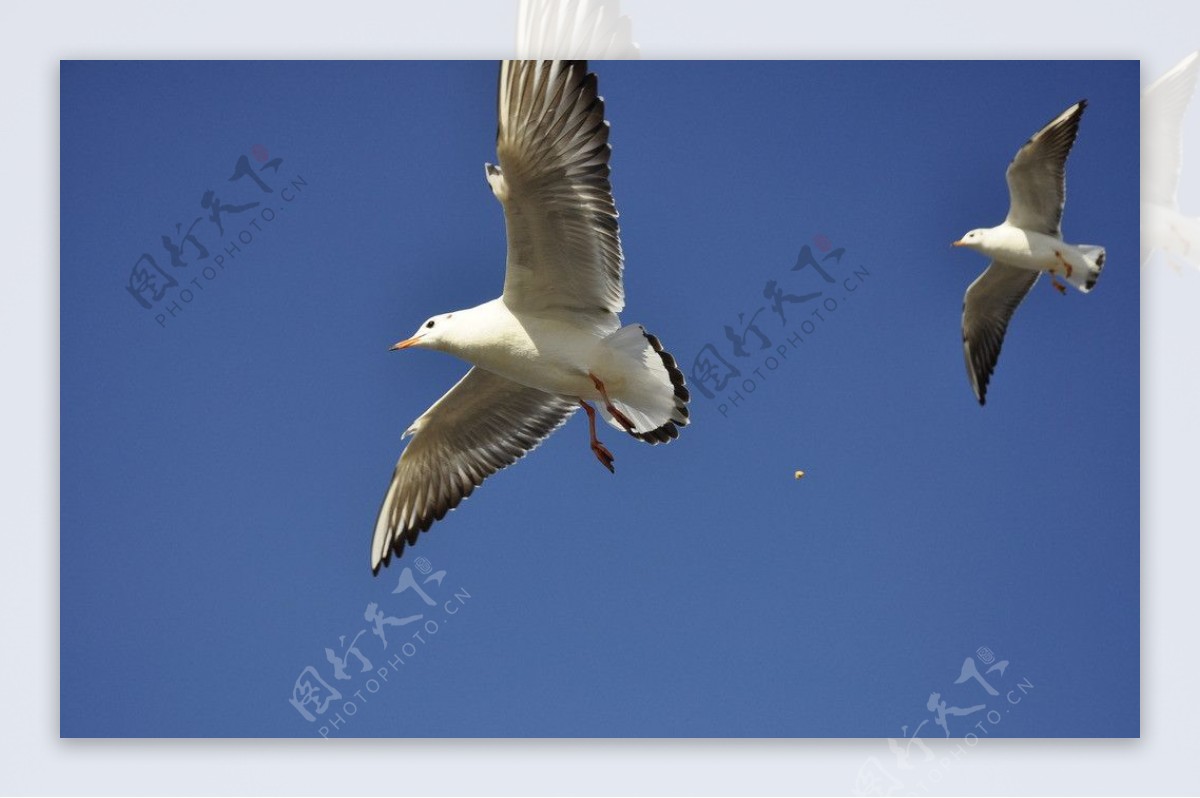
x=1026, y=244
x=1163, y=107
x=552, y=342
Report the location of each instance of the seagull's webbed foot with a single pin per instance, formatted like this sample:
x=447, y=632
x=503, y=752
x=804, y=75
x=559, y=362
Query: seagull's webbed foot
x=599, y=449
x=1058, y=286
x=621, y=418
x=604, y=456
x=1062, y=289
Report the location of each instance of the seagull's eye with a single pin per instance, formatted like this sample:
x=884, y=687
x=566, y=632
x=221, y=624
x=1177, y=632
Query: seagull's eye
x=429, y=324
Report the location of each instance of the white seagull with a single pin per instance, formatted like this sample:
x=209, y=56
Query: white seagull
x=552, y=342
x=1026, y=244
x=1163, y=107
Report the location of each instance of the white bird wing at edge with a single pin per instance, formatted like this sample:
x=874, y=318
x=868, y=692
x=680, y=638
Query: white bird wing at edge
x=579, y=28
x=564, y=246
x=482, y=424
x=988, y=306
x=1037, y=185
x=1163, y=106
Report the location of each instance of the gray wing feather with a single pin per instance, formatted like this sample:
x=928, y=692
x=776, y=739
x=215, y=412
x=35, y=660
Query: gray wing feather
x=988, y=306
x=564, y=246
x=1037, y=185
x=483, y=424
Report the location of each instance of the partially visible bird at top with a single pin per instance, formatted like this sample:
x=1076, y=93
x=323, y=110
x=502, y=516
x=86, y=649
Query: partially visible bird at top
x=574, y=29
x=1028, y=242
x=552, y=342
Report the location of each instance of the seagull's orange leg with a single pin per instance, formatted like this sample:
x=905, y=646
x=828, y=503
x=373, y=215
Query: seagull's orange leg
x=1062, y=289
x=599, y=449
x=621, y=418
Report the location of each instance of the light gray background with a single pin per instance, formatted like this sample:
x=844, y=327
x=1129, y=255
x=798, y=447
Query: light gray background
x=34, y=761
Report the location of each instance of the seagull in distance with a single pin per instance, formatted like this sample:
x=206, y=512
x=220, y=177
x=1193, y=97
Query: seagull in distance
x=552, y=342
x=1026, y=244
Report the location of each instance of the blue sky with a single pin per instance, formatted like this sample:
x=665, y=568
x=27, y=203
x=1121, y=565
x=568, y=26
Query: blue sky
x=221, y=469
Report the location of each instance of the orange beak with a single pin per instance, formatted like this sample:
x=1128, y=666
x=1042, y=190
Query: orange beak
x=405, y=344
x=959, y=243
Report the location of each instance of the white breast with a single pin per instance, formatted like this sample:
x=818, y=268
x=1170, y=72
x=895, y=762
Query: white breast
x=551, y=353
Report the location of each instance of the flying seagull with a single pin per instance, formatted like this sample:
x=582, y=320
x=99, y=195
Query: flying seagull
x=1026, y=244
x=552, y=342
x=1163, y=107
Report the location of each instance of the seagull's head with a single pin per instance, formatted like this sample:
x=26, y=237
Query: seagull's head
x=432, y=334
x=974, y=239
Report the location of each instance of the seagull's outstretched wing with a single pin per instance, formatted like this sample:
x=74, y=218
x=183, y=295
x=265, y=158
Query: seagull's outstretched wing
x=574, y=28
x=987, y=307
x=1163, y=107
x=564, y=249
x=482, y=424
x=1037, y=183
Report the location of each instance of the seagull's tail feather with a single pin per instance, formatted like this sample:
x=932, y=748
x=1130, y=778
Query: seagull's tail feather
x=650, y=388
x=1093, y=263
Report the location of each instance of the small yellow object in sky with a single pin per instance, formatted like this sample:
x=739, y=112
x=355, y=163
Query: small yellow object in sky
x=799, y=474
